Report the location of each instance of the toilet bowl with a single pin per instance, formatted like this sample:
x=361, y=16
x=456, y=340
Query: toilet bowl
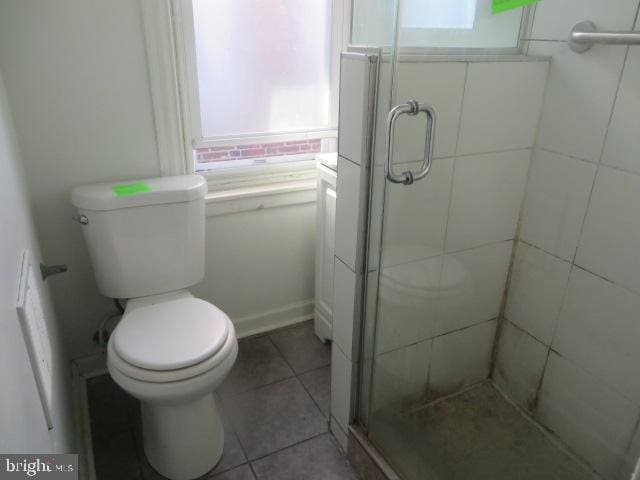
x=170, y=350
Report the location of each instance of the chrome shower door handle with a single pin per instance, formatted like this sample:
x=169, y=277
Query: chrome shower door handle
x=411, y=108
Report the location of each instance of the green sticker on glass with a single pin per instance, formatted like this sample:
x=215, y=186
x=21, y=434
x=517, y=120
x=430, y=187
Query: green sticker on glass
x=498, y=6
x=129, y=189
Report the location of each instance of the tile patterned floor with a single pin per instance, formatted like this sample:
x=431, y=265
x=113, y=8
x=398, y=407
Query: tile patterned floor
x=275, y=406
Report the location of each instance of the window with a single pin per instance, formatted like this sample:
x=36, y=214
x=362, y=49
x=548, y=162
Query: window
x=262, y=80
x=433, y=24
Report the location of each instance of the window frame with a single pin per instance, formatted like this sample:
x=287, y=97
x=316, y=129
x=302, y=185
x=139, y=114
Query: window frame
x=339, y=41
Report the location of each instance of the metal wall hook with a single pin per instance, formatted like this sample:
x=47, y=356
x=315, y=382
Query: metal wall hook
x=48, y=270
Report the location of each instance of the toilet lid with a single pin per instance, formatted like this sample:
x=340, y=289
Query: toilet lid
x=172, y=334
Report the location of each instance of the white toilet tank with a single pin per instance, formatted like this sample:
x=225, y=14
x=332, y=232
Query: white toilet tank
x=145, y=237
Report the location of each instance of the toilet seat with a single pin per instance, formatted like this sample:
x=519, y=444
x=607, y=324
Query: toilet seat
x=170, y=334
x=156, y=376
x=172, y=340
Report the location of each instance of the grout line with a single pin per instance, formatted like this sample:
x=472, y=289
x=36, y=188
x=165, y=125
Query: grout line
x=579, y=267
x=428, y=339
x=453, y=167
x=546, y=432
x=446, y=253
x=595, y=163
x=253, y=471
x=597, y=377
x=541, y=249
x=295, y=444
x=311, y=395
x=297, y=376
x=526, y=332
x=250, y=389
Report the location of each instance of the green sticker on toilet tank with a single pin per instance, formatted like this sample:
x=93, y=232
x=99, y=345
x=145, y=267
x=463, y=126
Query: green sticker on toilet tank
x=498, y=6
x=129, y=189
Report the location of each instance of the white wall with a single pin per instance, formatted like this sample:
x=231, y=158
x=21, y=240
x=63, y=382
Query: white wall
x=571, y=347
x=77, y=80
x=22, y=421
x=260, y=265
x=78, y=86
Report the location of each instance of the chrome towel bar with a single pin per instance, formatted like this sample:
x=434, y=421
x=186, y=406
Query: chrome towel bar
x=585, y=34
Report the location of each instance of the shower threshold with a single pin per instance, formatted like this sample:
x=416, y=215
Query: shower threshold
x=474, y=435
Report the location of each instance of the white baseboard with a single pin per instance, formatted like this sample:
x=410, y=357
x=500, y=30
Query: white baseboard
x=91, y=365
x=86, y=464
x=272, y=319
x=322, y=326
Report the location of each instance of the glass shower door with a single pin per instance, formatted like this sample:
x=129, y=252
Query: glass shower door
x=435, y=284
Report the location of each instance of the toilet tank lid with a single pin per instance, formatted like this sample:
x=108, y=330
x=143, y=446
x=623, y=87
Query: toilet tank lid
x=137, y=193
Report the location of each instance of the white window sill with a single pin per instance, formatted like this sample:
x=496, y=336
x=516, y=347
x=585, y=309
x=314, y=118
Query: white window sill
x=259, y=197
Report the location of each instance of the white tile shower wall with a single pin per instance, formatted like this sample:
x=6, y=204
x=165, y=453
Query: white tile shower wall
x=494, y=98
x=579, y=98
x=486, y=198
x=536, y=291
x=599, y=329
x=580, y=214
x=556, y=202
x=441, y=85
x=349, y=207
x=471, y=286
x=354, y=110
x=343, y=385
x=610, y=241
x=461, y=358
x=519, y=365
x=595, y=421
x=407, y=241
x=623, y=142
x=347, y=284
x=401, y=376
x=357, y=75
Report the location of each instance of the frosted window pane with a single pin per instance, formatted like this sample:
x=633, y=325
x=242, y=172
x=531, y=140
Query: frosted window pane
x=438, y=14
x=263, y=65
x=436, y=24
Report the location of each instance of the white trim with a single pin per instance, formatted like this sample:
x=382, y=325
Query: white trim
x=225, y=165
x=82, y=421
x=322, y=326
x=256, y=175
x=265, y=138
x=271, y=319
x=260, y=198
x=326, y=187
x=91, y=365
x=161, y=52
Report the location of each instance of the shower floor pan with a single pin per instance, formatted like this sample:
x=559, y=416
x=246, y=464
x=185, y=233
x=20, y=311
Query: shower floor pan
x=474, y=435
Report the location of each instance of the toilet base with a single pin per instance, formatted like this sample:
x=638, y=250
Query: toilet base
x=183, y=441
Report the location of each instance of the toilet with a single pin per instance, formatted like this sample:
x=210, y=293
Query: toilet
x=170, y=350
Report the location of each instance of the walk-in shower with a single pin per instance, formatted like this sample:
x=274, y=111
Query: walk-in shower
x=489, y=350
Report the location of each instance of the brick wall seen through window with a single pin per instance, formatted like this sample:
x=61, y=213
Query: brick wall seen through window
x=209, y=155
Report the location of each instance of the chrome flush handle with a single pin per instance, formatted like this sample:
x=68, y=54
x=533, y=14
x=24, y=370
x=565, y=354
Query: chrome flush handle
x=411, y=108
